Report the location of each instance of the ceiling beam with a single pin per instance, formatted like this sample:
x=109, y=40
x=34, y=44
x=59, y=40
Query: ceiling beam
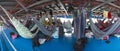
x=39, y=2
x=98, y=6
x=8, y=3
x=62, y=6
x=10, y=7
x=104, y=2
x=114, y=5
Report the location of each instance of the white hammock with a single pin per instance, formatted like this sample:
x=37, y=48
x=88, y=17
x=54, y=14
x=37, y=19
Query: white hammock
x=21, y=29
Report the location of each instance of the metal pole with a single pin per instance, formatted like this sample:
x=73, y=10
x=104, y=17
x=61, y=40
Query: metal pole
x=63, y=7
x=104, y=2
x=114, y=5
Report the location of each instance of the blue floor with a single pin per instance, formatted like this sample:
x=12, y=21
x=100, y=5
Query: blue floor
x=60, y=44
x=64, y=44
x=100, y=45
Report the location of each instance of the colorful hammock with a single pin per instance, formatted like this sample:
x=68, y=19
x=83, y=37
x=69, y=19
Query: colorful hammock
x=99, y=34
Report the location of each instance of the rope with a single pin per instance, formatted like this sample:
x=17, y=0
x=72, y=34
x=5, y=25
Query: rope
x=63, y=7
x=7, y=13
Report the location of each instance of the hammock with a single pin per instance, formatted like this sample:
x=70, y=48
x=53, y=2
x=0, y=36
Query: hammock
x=99, y=33
x=42, y=27
x=21, y=29
x=33, y=28
x=117, y=31
x=9, y=25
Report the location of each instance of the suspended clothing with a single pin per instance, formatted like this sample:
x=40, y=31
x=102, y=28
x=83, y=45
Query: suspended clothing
x=80, y=24
x=76, y=31
x=107, y=14
x=83, y=24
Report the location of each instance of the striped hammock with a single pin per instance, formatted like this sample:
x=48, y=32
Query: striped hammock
x=99, y=34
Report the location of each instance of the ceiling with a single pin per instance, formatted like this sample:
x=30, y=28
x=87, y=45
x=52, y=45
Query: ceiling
x=39, y=6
